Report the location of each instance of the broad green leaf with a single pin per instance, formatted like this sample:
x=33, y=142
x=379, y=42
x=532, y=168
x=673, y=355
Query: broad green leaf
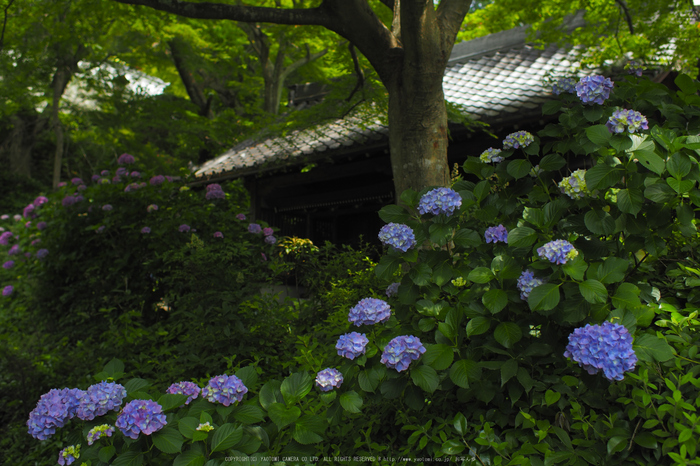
x=616, y=444
x=551, y=107
x=393, y=213
x=508, y=333
x=369, y=380
x=626, y=296
x=135, y=385
x=544, y=297
x=593, y=291
x=680, y=186
x=190, y=458
x=534, y=216
x=421, y=274
x=453, y=447
x=602, y=176
x=495, y=300
x=351, y=401
x=551, y=397
x=225, y=437
x=464, y=371
x=599, y=222
x=467, y=238
x=630, y=201
x=429, y=308
x=248, y=376
x=552, y=162
x=269, y=394
x=295, y=387
x=440, y=233
x=660, y=192
x=129, y=458
x=460, y=423
x=114, y=368
x=593, y=113
x=442, y=273
x=478, y=325
x=508, y=370
x=480, y=275
x=599, y=134
x=248, y=414
x=651, y=349
x=678, y=165
x=387, y=266
x=613, y=270
x=188, y=426
x=519, y=168
x=106, y=453
x=651, y=161
x=168, y=440
x=281, y=415
x=575, y=268
x=411, y=198
x=438, y=357
x=686, y=84
x=521, y=237
x=305, y=436
x=425, y=377
x=621, y=142
x=169, y=401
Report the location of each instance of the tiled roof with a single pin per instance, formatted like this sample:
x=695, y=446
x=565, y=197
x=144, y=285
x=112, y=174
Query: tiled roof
x=495, y=78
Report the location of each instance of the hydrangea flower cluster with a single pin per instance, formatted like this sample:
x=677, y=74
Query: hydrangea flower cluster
x=126, y=159
x=151, y=208
x=107, y=207
x=270, y=240
x=214, y=191
x=218, y=234
x=240, y=217
x=145, y=230
x=157, y=180
x=97, y=432
x=632, y=67
x=183, y=228
x=352, y=345
x=490, y=155
x=8, y=265
x=224, y=389
x=439, y=201
x=518, y=139
x=141, y=416
x=39, y=201
x=328, y=379
x=254, y=228
x=5, y=238
x=206, y=427
x=99, y=399
x=185, y=388
x=629, y=120
x=42, y=253
x=68, y=455
x=527, y=282
x=393, y=289
x=8, y=290
x=76, y=181
x=28, y=211
x=41, y=225
x=574, y=186
x=594, y=89
x=369, y=311
x=268, y=231
x=558, y=251
x=400, y=351
x=122, y=171
x=606, y=347
x=497, y=234
x=397, y=235
x=50, y=412
x=562, y=85
x=14, y=250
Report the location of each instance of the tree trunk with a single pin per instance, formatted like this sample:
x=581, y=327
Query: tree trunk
x=20, y=147
x=194, y=90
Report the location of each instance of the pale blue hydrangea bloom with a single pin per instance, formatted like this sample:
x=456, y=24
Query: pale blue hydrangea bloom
x=397, y=235
x=527, y=282
x=606, y=347
x=400, y=351
x=369, y=311
x=629, y=120
x=440, y=201
x=351, y=345
x=562, y=85
x=99, y=399
x=558, y=251
x=535, y=171
x=594, y=89
x=490, y=155
x=328, y=379
x=393, y=289
x=8, y=290
x=574, y=186
x=224, y=389
x=496, y=234
x=141, y=416
x=185, y=388
x=518, y=139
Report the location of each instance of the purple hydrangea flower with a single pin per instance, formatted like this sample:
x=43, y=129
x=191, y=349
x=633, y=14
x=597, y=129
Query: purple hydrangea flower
x=95, y=178
x=254, y=228
x=68, y=201
x=100, y=229
x=351, y=345
x=145, y=230
x=328, y=379
x=218, y=234
x=135, y=174
x=156, y=180
x=27, y=254
x=185, y=388
x=214, y=191
x=490, y=155
x=526, y=282
x=4, y=217
x=369, y=311
x=632, y=67
x=267, y=231
x=440, y=201
x=62, y=184
x=606, y=347
x=28, y=211
x=629, y=120
x=68, y=455
x=393, y=289
x=116, y=179
x=97, y=432
x=557, y=251
x=264, y=257
x=518, y=139
x=397, y=235
x=76, y=181
x=140, y=416
x=270, y=240
x=142, y=184
x=104, y=173
x=132, y=187
x=5, y=238
x=240, y=217
x=497, y=234
x=575, y=186
x=183, y=228
x=35, y=242
x=107, y=207
x=52, y=410
x=28, y=225
x=99, y=399
x=42, y=253
x=169, y=178
x=564, y=85
x=594, y=89
x=151, y=208
x=224, y=389
x=214, y=187
x=400, y=351
x=82, y=187
x=8, y=265
x=39, y=201
x=14, y=250
x=126, y=159
x=41, y=225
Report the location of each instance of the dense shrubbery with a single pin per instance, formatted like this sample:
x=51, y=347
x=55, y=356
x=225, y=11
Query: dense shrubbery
x=542, y=311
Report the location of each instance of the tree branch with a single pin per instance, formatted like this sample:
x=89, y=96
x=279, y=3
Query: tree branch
x=628, y=16
x=4, y=24
x=358, y=71
x=450, y=14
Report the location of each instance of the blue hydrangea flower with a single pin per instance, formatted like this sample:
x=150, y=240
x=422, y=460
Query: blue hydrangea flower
x=369, y=311
x=76, y=181
x=8, y=265
x=270, y=240
x=185, y=388
x=27, y=212
x=632, y=67
x=393, y=289
x=41, y=225
x=558, y=251
x=328, y=379
x=439, y=201
x=496, y=234
x=39, y=201
x=140, y=416
x=145, y=230
x=606, y=347
x=99, y=399
x=97, y=432
x=351, y=345
x=50, y=412
x=71, y=399
x=8, y=290
x=397, y=235
x=629, y=120
x=125, y=159
x=14, y=250
x=183, y=228
x=490, y=155
x=157, y=180
x=574, y=186
x=68, y=455
x=526, y=282
x=135, y=174
x=42, y=253
x=5, y=238
x=254, y=228
x=214, y=191
x=518, y=139
x=400, y=351
x=564, y=85
x=224, y=389
x=594, y=89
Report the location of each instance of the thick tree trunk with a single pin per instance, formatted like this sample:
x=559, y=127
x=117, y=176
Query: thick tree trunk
x=20, y=147
x=194, y=90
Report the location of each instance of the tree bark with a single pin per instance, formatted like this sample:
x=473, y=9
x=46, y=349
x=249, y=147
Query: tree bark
x=194, y=89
